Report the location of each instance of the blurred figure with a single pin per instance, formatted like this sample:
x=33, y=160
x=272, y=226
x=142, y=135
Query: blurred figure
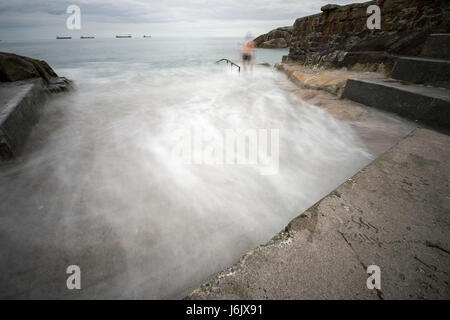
x=247, y=51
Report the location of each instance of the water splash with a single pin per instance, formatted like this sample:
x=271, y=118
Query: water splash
x=96, y=186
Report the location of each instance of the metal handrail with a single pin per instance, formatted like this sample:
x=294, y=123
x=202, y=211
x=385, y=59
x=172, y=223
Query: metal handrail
x=231, y=62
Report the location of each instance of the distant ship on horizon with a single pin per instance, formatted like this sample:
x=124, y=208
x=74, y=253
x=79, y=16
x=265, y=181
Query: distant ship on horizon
x=122, y=37
x=63, y=38
x=147, y=36
x=83, y=37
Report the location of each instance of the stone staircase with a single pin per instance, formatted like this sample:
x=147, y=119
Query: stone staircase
x=419, y=87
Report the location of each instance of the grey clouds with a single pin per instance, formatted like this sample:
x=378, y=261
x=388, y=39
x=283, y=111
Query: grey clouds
x=45, y=18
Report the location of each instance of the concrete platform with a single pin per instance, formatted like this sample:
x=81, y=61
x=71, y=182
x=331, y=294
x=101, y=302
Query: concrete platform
x=20, y=106
x=393, y=214
x=428, y=104
x=434, y=72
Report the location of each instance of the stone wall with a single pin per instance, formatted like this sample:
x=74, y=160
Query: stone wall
x=339, y=37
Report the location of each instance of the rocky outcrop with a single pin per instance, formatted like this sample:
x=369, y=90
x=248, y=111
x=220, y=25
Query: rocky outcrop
x=275, y=39
x=339, y=37
x=16, y=68
x=25, y=87
x=278, y=43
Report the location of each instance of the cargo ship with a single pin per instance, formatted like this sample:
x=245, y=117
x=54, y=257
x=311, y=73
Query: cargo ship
x=147, y=36
x=63, y=38
x=83, y=37
x=124, y=37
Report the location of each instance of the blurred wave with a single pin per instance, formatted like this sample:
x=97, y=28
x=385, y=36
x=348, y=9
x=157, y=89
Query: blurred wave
x=96, y=186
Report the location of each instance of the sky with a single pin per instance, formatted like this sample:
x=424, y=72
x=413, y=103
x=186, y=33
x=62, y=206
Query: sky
x=41, y=19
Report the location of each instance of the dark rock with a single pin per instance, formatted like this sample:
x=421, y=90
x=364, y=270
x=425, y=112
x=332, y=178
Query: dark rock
x=330, y=7
x=277, y=33
x=260, y=39
x=274, y=44
x=15, y=68
x=287, y=29
x=59, y=84
x=265, y=40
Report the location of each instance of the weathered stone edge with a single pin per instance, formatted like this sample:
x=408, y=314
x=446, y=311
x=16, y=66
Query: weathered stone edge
x=18, y=119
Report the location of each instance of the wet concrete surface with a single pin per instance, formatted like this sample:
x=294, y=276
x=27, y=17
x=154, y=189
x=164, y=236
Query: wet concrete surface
x=393, y=214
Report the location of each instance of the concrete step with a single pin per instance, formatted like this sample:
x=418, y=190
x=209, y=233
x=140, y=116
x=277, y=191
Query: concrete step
x=437, y=46
x=417, y=102
x=20, y=106
x=435, y=72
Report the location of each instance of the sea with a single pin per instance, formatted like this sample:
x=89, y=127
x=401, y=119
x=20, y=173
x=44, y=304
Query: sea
x=102, y=183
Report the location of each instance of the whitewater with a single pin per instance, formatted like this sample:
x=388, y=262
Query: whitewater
x=97, y=185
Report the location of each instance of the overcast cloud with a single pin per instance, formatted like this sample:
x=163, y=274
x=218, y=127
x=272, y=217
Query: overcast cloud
x=46, y=18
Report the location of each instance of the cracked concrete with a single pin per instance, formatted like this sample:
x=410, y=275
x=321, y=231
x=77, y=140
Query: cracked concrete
x=394, y=213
